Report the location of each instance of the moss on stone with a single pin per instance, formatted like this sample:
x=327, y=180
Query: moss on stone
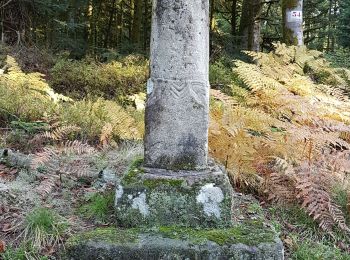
x=107, y=235
x=248, y=233
x=129, y=217
x=154, y=183
x=185, y=162
x=134, y=171
x=133, y=177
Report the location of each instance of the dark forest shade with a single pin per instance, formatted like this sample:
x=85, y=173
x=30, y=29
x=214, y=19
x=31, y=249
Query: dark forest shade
x=123, y=26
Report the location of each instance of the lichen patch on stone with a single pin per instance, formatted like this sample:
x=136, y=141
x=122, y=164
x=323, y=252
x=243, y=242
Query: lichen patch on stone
x=141, y=204
x=118, y=194
x=211, y=197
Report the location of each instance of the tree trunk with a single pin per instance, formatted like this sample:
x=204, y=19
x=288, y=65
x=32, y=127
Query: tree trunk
x=145, y=28
x=119, y=25
x=234, y=17
x=136, y=25
x=335, y=12
x=2, y=33
x=250, y=26
x=109, y=26
x=212, y=9
x=330, y=27
x=293, y=22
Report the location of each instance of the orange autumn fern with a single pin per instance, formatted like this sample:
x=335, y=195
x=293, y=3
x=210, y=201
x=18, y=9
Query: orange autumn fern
x=289, y=135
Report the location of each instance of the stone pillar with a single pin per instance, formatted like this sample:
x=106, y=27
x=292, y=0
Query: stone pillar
x=178, y=90
x=293, y=22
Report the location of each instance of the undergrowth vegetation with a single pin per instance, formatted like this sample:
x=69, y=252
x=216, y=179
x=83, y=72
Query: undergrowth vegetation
x=28, y=101
x=114, y=79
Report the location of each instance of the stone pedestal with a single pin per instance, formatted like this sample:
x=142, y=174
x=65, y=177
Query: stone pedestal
x=157, y=197
x=163, y=214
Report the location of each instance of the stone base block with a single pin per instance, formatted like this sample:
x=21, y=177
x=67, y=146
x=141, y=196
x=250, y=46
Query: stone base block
x=246, y=241
x=156, y=197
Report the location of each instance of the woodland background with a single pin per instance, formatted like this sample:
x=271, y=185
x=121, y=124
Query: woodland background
x=112, y=27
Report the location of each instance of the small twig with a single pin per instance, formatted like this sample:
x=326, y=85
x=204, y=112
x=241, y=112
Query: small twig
x=9, y=1
x=226, y=163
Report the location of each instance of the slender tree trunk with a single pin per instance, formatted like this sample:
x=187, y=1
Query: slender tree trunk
x=234, y=17
x=120, y=24
x=212, y=10
x=293, y=22
x=109, y=26
x=335, y=12
x=145, y=27
x=131, y=17
x=250, y=26
x=136, y=25
x=2, y=32
x=330, y=25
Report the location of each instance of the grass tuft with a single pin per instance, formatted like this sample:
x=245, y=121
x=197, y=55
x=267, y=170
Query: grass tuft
x=99, y=207
x=43, y=227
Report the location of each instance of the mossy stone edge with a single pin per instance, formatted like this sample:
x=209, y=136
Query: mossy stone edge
x=250, y=240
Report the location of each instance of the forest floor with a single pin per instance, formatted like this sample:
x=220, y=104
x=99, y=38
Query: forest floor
x=82, y=204
x=72, y=206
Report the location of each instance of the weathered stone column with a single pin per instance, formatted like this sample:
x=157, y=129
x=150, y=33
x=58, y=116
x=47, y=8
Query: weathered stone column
x=293, y=22
x=178, y=90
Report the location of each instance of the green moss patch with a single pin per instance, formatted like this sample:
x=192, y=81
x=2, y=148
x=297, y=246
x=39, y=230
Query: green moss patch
x=250, y=233
x=133, y=177
x=152, y=184
x=133, y=174
x=108, y=235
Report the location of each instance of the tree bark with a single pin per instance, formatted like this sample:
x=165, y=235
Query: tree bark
x=211, y=21
x=109, y=26
x=234, y=17
x=293, y=22
x=120, y=14
x=136, y=25
x=250, y=26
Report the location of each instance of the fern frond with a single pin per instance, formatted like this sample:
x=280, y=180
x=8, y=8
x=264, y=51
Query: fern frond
x=59, y=133
x=280, y=188
x=315, y=198
x=77, y=148
x=43, y=157
x=106, y=134
x=47, y=185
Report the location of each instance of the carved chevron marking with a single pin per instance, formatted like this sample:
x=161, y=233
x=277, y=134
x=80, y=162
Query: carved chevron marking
x=181, y=90
x=178, y=90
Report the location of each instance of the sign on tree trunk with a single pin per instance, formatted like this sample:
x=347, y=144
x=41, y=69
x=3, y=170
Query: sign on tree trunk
x=293, y=22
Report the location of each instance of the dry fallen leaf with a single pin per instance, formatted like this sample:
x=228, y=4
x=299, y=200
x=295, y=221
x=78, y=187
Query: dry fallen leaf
x=288, y=241
x=6, y=227
x=2, y=246
x=7, y=174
